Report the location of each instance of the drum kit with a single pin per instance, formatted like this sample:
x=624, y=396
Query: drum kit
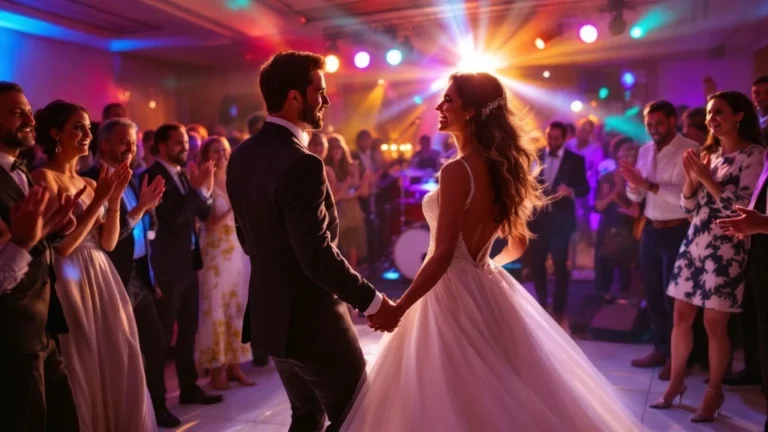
x=406, y=223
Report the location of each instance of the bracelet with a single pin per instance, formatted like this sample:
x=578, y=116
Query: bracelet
x=115, y=210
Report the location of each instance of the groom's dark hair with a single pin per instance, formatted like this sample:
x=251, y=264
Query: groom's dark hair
x=286, y=71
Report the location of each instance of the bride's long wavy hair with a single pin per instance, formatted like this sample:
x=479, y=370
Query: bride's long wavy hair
x=509, y=147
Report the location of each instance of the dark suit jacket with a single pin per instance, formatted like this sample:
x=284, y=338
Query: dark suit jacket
x=288, y=221
x=175, y=223
x=560, y=215
x=31, y=307
x=122, y=255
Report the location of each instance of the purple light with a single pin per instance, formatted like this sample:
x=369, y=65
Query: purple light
x=362, y=60
x=588, y=33
x=628, y=80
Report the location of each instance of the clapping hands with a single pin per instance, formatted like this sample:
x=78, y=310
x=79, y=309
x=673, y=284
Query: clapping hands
x=696, y=169
x=151, y=194
x=111, y=185
x=36, y=217
x=202, y=176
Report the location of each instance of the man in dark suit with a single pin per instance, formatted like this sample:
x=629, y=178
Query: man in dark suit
x=299, y=281
x=117, y=144
x=35, y=394
x=175, y=251
x=564, y=178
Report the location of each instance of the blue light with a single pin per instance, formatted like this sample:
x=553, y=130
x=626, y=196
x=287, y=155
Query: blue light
x=394, y=56
x=238, y=4
x=418, y=100
x=635, y=110
x=636, y=32
x=628, y=80
x=36, y=27
x=391, y=275
x=233, y=111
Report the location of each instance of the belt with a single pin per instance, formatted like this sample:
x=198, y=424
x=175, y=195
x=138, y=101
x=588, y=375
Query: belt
x=667, y=223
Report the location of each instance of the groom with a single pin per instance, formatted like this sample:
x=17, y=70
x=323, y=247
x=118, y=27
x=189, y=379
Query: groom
x=289, y=226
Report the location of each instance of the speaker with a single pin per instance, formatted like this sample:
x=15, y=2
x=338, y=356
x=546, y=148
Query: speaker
x=621, y=321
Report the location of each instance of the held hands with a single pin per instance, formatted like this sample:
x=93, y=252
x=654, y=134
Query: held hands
x=747, y=223
x=202, y=176
x=151, y=195
x=387, y=318
x=633, y=176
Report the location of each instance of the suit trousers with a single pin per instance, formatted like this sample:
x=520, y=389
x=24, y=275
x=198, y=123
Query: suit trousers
x=180, y=303
x=550, y=242
x=322, y=381
x=151, y=338
x=35, y=394
x=754, y=318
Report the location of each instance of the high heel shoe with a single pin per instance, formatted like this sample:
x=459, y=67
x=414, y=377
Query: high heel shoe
x=703, y=417
x=238, y=376
x=666, y=402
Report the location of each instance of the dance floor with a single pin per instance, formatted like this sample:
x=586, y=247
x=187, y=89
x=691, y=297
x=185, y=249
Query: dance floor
x=265, y=408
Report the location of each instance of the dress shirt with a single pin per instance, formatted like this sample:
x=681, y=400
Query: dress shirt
x=552, y=165
x=665, y=168
x=6, y=161
x=367, y=160
x=176, y=174
x=14, y=263
x=303, y=136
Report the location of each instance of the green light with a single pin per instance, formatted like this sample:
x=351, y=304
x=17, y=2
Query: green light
x=603, y=93
x=635, y=110
x=636, y=32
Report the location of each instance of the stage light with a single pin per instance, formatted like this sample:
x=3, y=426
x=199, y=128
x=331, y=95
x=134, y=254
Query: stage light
x=546, y=74
x=603, y=93
x=381, y=81
x=635, y=110
x=384, y=147
x=593, y=104
x=636, y=32
x=588, y=34
x=577, y=106
x=394, y=56
x=628, y=80
x=439, y=84
x=332, y=63
x=540, y=44
x=362, y=60
x=152, y=104
x=418, y=100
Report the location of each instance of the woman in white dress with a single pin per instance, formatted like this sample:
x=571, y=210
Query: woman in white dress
x=223, y=282
x=474, y=350
x=101, y=352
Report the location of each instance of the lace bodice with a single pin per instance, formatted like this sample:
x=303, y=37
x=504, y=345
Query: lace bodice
x=430, y=206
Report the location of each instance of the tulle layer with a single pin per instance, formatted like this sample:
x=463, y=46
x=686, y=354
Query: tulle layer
x=478, y=353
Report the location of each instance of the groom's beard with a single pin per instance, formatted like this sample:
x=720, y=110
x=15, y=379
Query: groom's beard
x=310, y=115
x=15, y=139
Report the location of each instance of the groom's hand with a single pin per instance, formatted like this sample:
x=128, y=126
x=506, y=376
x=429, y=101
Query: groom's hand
x=387, y=318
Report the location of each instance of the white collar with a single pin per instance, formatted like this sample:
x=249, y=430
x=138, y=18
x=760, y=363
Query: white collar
x=174, y=170
x=6, y=161
x=302, y=136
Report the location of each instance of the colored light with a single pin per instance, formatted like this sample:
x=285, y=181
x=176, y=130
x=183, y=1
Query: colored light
x=391, y=275
x=593, y=104
x=238, y=4
x=152, y=104
x=362, y=60
x=381, y=81
x=233, y=111
x=636, y=32
x=394, y=56
x=540, y=44
x=576, y=106
x=418, y=100
x=628, y=80
x=603, y=93
x=332, y=63
x=588, y=33
x=439, y=84
x=546, y=74
x=635, y=110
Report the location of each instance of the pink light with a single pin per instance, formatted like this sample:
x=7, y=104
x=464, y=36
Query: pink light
x=362, y=60
x=588, y=33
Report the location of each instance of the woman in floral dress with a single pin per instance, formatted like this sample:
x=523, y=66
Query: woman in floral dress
x=223, y=282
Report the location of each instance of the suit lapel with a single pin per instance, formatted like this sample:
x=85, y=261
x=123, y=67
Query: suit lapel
x=562, y=169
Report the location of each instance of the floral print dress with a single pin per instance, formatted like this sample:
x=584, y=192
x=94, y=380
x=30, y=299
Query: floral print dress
x=709, y=271
x=223, y=291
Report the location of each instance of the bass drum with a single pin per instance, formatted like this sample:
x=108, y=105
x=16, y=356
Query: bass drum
x=410, y=251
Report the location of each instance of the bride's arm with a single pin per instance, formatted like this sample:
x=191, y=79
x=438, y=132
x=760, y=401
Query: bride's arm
x=514, y=249
x=453, y=192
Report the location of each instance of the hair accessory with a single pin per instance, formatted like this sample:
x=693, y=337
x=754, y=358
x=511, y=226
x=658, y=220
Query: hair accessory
x=488, y=108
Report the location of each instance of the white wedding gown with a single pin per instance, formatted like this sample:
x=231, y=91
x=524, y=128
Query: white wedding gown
x=101, y=351
x=478, y=353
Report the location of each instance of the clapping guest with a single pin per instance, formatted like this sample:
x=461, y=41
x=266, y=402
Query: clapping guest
x=224, y=281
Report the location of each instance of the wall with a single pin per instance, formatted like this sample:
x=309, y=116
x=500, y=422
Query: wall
x=679, y=79
x=49, y=70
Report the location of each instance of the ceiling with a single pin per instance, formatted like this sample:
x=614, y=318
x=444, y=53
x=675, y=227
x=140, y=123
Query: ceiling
x=228, y=33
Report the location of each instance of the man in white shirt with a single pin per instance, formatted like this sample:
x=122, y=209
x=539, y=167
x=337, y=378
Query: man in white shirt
x=658, y=180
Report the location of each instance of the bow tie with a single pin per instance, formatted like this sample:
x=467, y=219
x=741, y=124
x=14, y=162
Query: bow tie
x=19, y=164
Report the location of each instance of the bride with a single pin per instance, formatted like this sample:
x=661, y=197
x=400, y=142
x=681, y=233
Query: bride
x=474, y=351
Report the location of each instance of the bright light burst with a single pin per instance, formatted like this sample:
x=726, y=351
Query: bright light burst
x=474, y=60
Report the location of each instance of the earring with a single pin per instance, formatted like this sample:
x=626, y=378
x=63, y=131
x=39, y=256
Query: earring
x=737, y=125
x=58, y=147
